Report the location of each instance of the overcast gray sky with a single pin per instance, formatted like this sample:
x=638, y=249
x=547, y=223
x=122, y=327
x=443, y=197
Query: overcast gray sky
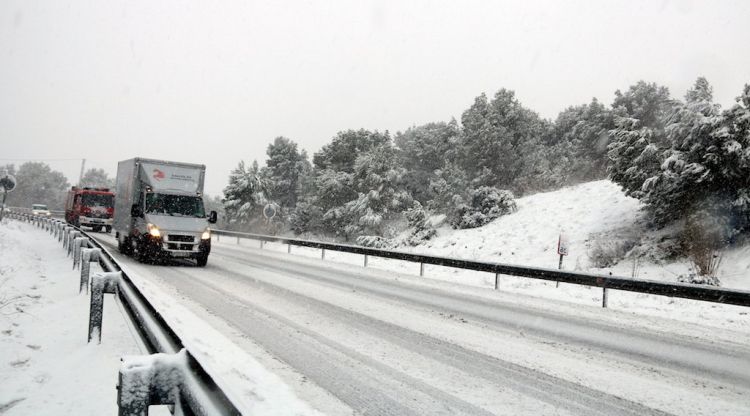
x=215, y=82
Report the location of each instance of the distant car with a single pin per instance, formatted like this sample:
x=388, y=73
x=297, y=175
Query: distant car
x=40, y=209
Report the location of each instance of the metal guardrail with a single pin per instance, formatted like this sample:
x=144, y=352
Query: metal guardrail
x=679, y=290
x=53, y=213
x=195, y=391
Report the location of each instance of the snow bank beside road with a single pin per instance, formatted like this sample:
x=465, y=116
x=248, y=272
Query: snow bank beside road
x=529, y=236
x=590, y=214
x=241, y=377
x=46, y=366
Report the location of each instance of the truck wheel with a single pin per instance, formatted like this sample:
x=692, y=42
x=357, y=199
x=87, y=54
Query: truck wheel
x=97, y=228
x=124, y=246
x=140, y=253
x=108, y=229
x=202, y=260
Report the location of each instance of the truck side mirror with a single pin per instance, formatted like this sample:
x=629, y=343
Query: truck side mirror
x=212, y=217
x=135, y=211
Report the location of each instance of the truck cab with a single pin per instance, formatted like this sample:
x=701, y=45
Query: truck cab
x=90, y=207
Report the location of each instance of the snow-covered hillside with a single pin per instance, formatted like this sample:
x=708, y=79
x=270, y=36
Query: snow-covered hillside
x=591, y=215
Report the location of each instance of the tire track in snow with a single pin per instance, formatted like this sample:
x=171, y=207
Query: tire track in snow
x=367, y=386
x=559, y=393
x=678, y=354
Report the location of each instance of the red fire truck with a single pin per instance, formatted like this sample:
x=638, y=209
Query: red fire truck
x=92, y=207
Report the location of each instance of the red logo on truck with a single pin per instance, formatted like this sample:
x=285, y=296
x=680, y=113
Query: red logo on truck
x=158, y=175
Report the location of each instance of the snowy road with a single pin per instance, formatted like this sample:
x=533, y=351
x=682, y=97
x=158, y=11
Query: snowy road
x=365, y=341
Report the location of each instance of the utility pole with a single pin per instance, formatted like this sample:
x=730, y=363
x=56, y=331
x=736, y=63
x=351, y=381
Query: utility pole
x=80, y=177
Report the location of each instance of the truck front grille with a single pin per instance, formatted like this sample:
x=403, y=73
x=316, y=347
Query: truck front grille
x=175, y=246
x=181, y=238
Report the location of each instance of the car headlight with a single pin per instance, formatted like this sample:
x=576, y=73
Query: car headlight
x=153, y=230
x=206, y=234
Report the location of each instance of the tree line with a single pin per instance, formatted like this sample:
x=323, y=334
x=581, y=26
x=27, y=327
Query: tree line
x=38, y=183
x=680, y=157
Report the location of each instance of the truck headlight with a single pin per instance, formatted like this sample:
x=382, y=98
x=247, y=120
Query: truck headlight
x=206, y=234
x=153, y=230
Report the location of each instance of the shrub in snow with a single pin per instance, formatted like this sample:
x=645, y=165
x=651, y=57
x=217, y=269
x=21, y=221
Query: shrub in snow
x=698, y=279
x=374, y=241
x=449, y=182
x=421, y=229
x=701, y=239
x=607, y=252
x=305, y=218
x=484, y=205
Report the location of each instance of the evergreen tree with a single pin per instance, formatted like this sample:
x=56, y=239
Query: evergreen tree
x=381, y=195
x=97, y=178
x=422, y=151
x=646, y=102
x=342, y=152
x=638, y=140
x=335, y=184
x=497, y=136
x=245, y=195
x=581, y=135
x=696, y=166
x=448, y=188
x=284, y=168
x=37, y=183
x=421, y=229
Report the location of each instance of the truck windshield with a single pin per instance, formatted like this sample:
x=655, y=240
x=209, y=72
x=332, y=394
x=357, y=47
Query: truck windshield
x=177, y=205
x=97, y=200
x=39, y=207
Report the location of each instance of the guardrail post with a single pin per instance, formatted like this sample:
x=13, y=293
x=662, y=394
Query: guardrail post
x=323, y=253
x=71, y=238
x=238, y=240
x=101, y=283
x=78, y=243
x=68, y=238
x=421, y=269
x=365, y=260
x=604, y=297
x=146, y=380
x=289, y=248
x=497, y=280
x=217, y=238
x=64, y=236
x=88, y=255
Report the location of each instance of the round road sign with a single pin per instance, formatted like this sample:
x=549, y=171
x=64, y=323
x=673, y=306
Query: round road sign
x=269, y=211
x=7, y=183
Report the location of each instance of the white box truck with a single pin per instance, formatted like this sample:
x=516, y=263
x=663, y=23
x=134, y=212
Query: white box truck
x=159, y=210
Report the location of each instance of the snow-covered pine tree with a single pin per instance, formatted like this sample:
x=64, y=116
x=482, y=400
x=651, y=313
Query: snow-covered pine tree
x=690, y=173
x=381, y=194
x=581, y=134
x=334, y=184
x=497, y=137
x=424, y=149
x=245, y=195
x=284, y=167
x=638, y=140
x=449, y=184
x=420, y=228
